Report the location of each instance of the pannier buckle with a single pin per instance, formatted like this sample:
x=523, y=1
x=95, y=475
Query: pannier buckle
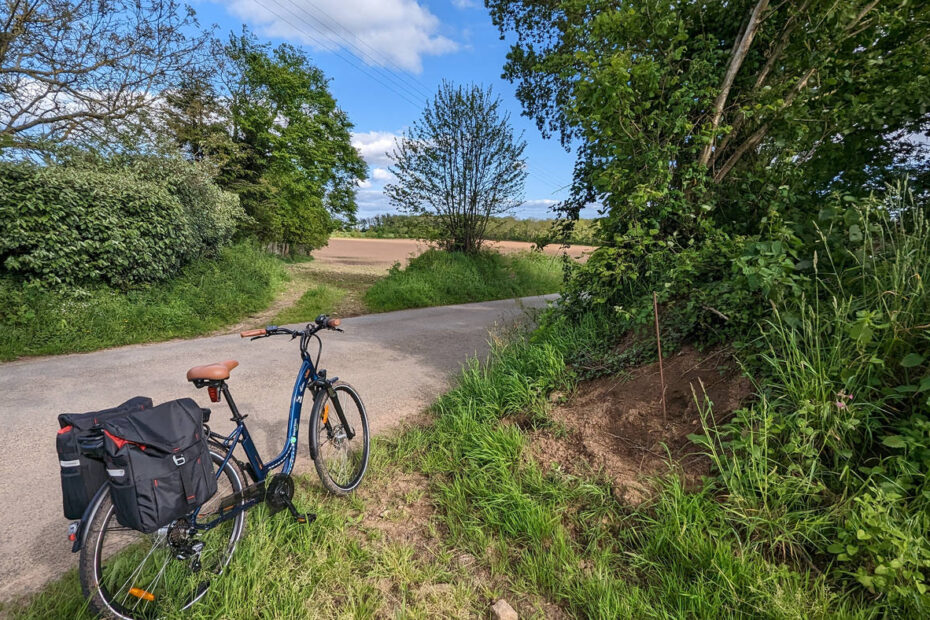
x=178, y=459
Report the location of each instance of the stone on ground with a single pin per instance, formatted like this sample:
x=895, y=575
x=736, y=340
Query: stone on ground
x=501, y=610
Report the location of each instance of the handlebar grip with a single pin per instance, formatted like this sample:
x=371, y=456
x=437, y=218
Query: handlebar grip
x=333, y=323
x=251, y=333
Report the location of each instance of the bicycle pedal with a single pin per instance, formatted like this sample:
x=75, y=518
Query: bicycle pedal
x=306, y=518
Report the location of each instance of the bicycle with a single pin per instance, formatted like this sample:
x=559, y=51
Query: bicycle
x=127, y=574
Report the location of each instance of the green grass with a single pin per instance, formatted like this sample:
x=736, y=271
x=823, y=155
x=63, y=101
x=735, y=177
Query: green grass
x=437, y=278
x=317, y=300
x=203, y=297
x=565, y=537
x=347, y=564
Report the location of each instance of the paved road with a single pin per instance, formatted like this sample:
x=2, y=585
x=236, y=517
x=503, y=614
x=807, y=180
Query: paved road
x=399, y=361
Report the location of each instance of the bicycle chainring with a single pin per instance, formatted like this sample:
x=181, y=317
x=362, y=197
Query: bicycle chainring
x=279, y=492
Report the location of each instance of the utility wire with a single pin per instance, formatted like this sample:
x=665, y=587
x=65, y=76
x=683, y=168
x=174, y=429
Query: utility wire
x=376, y=57
x=343, y=56
x=398, y=80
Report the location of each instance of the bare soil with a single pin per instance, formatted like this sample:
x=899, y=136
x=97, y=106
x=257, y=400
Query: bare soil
x=616, y=426
x=385, y=252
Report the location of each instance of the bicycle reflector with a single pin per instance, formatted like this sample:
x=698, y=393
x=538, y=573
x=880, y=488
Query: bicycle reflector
x=325, y=415
x=140, y=593
x=214, y=394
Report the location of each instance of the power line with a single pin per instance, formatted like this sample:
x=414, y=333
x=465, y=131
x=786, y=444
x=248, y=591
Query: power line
x=379, y=59
x=344, y=57
x=399, y=80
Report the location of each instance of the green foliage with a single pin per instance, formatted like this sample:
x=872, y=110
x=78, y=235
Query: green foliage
x=620, y=280
x=681, y=555
x=121, y=223
x=461, y=163
x=204, y=296
x=508, y=228
x=833, y=459
x=438, y=278
x=293, y=164
x=701, y=116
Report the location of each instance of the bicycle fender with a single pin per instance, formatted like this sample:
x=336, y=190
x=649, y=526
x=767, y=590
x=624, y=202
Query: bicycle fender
x=317, y=403
x=81, y=533
x=350, y=432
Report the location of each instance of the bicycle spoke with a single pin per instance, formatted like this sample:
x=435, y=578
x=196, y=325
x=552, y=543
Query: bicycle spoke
x=138, y=569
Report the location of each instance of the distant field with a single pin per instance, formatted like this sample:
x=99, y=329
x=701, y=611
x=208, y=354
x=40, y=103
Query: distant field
x=385, y=252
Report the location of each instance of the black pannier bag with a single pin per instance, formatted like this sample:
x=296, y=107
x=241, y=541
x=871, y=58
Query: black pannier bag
x=82, y=475
x=158, y=464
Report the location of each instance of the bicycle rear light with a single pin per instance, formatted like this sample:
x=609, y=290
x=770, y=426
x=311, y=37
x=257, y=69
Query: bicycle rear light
x=214, y=394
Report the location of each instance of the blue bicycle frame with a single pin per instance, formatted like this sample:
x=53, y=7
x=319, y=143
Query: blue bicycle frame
x=308, y=376
x=288, y=454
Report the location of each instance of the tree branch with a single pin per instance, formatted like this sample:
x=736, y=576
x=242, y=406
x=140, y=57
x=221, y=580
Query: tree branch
x=736, y=61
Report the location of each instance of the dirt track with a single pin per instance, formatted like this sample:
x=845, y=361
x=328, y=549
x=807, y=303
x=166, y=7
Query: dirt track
x=385, y=252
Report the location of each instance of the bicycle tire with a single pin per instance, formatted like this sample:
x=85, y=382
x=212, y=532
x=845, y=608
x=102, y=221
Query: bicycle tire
x=316, y=448
x=99, y=599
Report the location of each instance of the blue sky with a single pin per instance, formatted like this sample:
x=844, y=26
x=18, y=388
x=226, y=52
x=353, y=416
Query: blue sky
x=384, y=59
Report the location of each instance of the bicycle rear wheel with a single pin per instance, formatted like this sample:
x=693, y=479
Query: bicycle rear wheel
x=340, y=461
x=127, y=574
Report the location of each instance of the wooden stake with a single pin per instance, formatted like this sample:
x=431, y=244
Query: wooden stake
x=655, y=309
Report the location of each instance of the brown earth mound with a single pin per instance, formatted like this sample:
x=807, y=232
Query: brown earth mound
x=616, y=425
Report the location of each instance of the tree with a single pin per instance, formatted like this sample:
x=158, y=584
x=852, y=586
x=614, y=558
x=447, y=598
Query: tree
x=691, y=116
x=461, y=163
x=72, y=69
x=293, y=164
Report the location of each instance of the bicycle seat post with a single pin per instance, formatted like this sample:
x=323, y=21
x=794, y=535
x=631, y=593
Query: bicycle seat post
x=237, y=417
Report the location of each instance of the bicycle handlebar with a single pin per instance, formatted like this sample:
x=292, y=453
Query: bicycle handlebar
x=322, y=322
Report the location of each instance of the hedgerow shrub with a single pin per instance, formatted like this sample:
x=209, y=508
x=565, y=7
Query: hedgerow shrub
x=122, y=225
x=831, y=315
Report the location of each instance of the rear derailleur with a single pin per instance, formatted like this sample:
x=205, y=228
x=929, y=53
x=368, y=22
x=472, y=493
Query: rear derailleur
x=183, y=545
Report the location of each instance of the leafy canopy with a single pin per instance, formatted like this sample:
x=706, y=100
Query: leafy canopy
x=267, y=121
x=719, y=113
x=461, y=163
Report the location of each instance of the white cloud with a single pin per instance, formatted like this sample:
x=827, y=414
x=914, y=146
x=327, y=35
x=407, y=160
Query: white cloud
x=373, y=146
x=465, y=4
x=381, y=174
x=392, y=33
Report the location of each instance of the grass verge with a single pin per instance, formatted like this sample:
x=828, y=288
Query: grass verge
x=437, y=278
x=317, y=300
x=378, y=553
x=203, y=297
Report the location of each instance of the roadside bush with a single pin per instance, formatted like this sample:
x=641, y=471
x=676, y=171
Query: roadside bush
x=619, y=280
x=118, y=224
x=203, y=296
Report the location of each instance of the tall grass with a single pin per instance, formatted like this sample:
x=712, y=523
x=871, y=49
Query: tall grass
x=438, y=278
x=203, y=297
x=832, y=461
x=565, y=536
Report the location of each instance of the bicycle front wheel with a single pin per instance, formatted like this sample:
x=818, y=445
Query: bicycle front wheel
x=127, y=574
x=339, y=444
